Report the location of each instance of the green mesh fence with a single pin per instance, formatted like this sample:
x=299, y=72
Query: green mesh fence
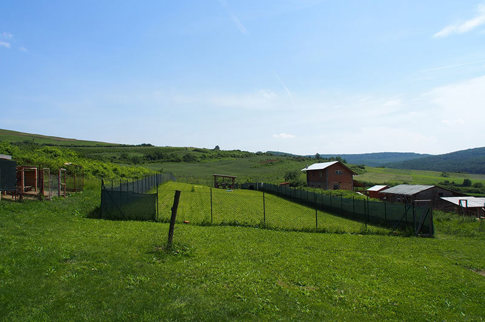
x=417, y=219
x=8, y=176
x=132, y=200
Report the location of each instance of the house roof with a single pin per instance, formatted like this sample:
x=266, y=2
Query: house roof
x=324, y=165
x=5, y=156
x=378, y=187
x=407, y=189
x=473, y=202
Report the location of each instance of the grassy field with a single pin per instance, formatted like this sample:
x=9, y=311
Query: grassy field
x=14, y=136
x=397, y=176
x=57, y=264
x=245, y=207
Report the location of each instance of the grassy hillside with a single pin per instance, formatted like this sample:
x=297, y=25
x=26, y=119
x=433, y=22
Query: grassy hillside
x=15, y=137
x=54, y=157
x=377, y=159
x=56, y=264
x=471, y=161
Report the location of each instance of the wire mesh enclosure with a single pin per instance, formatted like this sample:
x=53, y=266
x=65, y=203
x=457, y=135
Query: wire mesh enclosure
x=417, y=219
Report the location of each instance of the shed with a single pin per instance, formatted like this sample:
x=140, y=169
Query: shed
x=465, y=204
x=374, y=192
x=410, y=193
x=329, y=175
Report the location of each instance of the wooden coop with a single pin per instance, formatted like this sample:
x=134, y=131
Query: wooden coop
x=224, y=181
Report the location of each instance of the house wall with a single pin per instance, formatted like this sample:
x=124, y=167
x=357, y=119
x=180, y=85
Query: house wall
x=329, y=179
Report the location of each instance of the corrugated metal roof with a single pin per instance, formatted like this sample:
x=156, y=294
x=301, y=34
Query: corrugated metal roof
x=319, y=166
x=407, y=189
x=473, y=202
x=378, y=187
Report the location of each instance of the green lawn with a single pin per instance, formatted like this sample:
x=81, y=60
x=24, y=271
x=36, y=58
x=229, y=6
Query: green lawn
x=245, y=207
x=56, y=264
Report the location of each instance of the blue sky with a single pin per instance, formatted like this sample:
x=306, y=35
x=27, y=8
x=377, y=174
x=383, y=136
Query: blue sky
x=300, y=76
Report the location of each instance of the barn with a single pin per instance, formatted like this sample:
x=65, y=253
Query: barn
x=329, y=176
x=410, y=193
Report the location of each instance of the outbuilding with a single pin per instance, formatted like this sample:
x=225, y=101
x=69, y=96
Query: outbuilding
x=375, y=191
x=329, y=176
x=410, y=193
x=474, y=206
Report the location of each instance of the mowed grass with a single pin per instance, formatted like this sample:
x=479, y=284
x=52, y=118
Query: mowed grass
x=56, y=264
x=245, y=207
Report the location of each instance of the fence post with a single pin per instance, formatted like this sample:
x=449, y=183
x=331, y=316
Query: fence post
x=316, y=213
x=176, y=198
x=353, y=206
x=385, y=213
x=157, y=198
x=341, y=206
x=367, y=220
x=211, y=205
x=264, y=210
x=102, y=188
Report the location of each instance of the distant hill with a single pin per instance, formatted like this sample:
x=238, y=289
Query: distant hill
x=370, y=159
x=377, y=159
x=14, y=136
x=470, y=161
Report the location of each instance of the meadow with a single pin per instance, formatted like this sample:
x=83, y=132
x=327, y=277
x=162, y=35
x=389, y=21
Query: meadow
x=56, y=263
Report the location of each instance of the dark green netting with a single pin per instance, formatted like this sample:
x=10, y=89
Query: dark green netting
x=8, y=175
x=392, y=215
x=132, y=200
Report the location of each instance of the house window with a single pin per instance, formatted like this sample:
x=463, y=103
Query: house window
x=338, y=172
x=336, y=186
x=321, y=174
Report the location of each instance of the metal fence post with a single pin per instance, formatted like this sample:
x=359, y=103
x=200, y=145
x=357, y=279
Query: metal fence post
x=211, y=204
x=264, y=210
x=385, y=213
x=353, y=206
x=367, y=220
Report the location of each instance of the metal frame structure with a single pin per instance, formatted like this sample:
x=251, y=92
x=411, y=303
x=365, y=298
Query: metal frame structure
x=223, y=184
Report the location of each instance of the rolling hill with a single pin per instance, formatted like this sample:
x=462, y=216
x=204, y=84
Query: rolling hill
x=15, y=136
x=471, y=161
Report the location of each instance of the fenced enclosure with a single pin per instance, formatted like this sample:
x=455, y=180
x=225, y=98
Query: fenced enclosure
x=397, y=216
x=132, y=199
x=203, y=205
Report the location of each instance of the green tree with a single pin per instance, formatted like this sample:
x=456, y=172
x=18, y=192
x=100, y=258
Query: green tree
x=467, y=183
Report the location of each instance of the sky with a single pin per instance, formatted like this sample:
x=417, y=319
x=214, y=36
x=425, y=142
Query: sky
x=299, y=76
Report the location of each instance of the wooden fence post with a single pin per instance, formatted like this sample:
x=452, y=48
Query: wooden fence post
x=175, y=206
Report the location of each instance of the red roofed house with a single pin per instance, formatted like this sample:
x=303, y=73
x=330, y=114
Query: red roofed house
x=329, y=176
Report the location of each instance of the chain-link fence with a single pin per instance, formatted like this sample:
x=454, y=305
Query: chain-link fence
x=397, y=216
x=132, y=199
x=205, y=206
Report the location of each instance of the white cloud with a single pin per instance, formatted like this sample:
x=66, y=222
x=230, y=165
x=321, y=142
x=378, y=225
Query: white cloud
x=6, y=35
x=465, y=26
x=283, y=136
x=4, y=44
